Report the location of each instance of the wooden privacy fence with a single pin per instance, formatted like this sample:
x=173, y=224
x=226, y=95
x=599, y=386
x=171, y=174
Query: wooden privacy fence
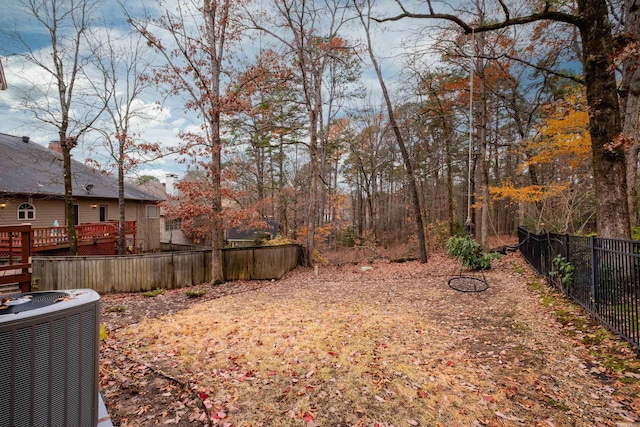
x=260, y=262
x=168, y=270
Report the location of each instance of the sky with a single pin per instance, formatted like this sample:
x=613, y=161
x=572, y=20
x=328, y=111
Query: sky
x=164, y=117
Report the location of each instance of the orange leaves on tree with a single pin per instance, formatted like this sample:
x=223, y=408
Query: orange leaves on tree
x=562, y=143
x=529, y=194
x=564, y=136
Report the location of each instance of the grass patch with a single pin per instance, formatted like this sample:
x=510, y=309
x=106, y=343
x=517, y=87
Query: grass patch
x=153, y=293
x=547, y=300
x=195, y=293
x=597, y=338
x=559, y=405
x=520, y=269
x=116, y=309
x=536, y=286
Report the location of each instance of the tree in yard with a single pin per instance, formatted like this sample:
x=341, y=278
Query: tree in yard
x=365, y=163
x=193, y=39
x=312, y=50
x=441, y=103
x=628, y=56
x=266, y=124
x=62, y=103
x=561, y=153
x=121, y=63
x=608, y=145
x=364, y=16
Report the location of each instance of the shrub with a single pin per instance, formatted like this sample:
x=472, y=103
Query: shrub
x=470, y=253
x=195, y=293
x=564, y=271
x=153, y=293
x=116, y=309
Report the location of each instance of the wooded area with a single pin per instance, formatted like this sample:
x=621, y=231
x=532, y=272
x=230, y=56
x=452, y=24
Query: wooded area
x=498, y=113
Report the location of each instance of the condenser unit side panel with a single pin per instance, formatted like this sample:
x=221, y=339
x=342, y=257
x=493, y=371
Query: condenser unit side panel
x=49, y=367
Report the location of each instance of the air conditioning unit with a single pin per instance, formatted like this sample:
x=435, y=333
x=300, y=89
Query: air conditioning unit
x=49, y=348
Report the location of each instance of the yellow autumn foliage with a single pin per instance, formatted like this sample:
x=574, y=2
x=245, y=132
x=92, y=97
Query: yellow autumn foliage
x=563, y=141
x=529, y=194
x=564, y=136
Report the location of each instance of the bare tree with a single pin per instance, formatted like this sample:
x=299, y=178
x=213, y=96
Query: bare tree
x=123, y=64
x=417, y=210
x=69, y=110
x=193, y=40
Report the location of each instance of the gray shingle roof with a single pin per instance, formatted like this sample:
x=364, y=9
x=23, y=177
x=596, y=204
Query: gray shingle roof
x=31, y=169
x=250, y=233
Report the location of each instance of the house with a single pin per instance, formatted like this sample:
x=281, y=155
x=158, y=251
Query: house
x=171, y=235
x=247, y=235
x=32, y=191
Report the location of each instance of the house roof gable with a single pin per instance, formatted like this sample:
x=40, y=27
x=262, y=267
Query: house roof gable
x=31, y=169
x=251, y=233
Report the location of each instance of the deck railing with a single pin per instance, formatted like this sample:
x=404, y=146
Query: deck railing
x=16, y=269
x=45, y=238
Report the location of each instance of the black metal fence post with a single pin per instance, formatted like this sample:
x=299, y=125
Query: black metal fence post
x=594, y=273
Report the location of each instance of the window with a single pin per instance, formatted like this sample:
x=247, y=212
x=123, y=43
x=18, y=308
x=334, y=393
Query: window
x=26, y=211
x=76, y=213
x=103, y=213
x=152, y=211
x=172, y=224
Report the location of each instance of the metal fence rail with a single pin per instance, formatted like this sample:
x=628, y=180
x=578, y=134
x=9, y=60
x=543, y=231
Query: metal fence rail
x=603, y=275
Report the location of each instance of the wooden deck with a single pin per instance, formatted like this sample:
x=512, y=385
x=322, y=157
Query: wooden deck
x=15, y=270
x=46, y=239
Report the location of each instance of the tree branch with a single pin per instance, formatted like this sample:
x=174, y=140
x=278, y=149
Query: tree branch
x=544, y=15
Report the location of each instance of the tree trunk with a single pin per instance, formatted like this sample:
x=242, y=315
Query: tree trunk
x=312, y=201
x=66, y=144
x=609, y=167
x=215, y=47
x=217, y=261
x=629, y=103
x=449, y=162
x=413, y=189
x=122, y=238
x=482, y=180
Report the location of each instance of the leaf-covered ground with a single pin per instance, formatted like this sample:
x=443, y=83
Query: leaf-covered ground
x=393, y=345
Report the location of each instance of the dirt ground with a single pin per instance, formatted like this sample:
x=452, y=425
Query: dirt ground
x=372, y=344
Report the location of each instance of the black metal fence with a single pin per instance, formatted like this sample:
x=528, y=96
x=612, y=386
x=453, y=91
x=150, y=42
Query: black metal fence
x=602, y=275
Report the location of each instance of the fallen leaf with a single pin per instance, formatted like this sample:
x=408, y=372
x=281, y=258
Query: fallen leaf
x=506, y=417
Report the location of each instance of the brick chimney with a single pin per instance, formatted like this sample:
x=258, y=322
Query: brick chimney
x=170, y=184
x=55, y=146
